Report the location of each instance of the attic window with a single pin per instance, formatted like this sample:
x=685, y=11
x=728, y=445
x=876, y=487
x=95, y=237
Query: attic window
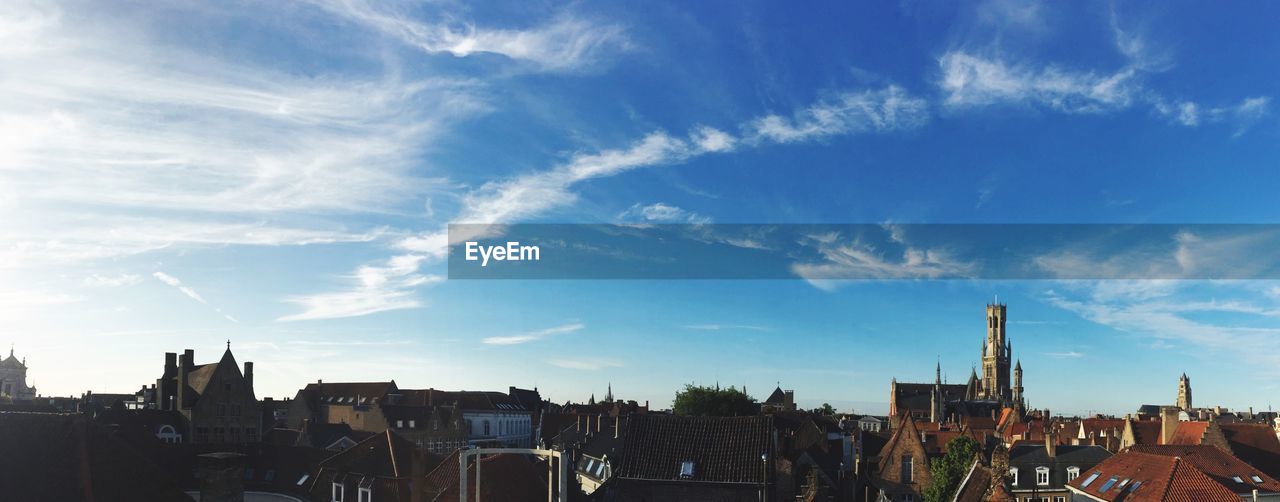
x=303, y=479
x=1134, y=487
x=686, y=469
x=1110, y=482
x=1256, y=479
x=1090, y=479
x=1237, y=479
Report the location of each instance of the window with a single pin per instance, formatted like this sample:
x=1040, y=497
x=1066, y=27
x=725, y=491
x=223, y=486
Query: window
x=251, y=434
x=1256, y=479
x=1013, y=476
x=303, y=479
x=1073, y=472
x=908, y=465
x=1237, y=479
x=1110, y=482
x=235, y=434
x=908, y=497
x=270, y=475
x=202, y=434
x=686, y=469
x=219, y=434
x=411, y=424
x=1090, y=479
x=1059, y=499
x=1042, y=476
x=399, y=424
x=366, y=495
x=338, y=492
x=248, y=473
x=222, y=409
x=486, y=427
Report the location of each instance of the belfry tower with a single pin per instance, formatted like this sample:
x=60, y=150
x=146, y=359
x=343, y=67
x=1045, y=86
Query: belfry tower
x=996, y=351
x=1184, y=393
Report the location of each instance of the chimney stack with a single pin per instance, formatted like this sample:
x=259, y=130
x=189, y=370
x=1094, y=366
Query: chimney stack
x=1051, y=442
x=248, y=374
x=1168, y=423
x=184, y=372
x=617, y=425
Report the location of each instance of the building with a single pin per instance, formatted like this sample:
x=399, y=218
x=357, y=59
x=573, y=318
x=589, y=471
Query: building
x=1041, y=471
x=1000, y=385
x=216, y=399
x=383, y=467
x=902, y=472
x=1157, y=473
x=695, y=458
x=13, y=379
x=779, y=400
x=1184, y=393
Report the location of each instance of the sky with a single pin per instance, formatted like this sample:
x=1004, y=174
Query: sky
x=281, y=175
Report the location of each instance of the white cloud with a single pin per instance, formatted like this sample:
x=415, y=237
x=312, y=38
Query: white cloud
x=662, y=213
x=112, y=281
x=594, y=364
x=729, y=327
x=378, y=288
x=970, y=80
x=190, y=293
x=1065, y=355
x=533, y=336
x=888, y=109
x=847, y=259
x=565, y=43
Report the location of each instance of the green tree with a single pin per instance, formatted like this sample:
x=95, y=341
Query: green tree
x=702, y=401
x=949, y=470
x=827, y=409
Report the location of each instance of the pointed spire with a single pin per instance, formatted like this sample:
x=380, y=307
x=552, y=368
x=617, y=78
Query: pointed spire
x=1018, y=366
x=228, y=344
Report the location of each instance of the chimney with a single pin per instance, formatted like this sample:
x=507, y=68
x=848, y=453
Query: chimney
x=598, y=419
x=1168, y=423
x=1051, y=442
x=248, y=374
x=164, y=398
x=184, y=371
x=617, y=425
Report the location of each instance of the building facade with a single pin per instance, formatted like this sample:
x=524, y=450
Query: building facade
x=216, y=399
x=13, y=379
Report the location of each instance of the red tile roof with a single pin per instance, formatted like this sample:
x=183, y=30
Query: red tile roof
x=1134, y=476
x=1223, y=467
x=1188, y=433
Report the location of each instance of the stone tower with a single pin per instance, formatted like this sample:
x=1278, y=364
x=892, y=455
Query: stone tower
x=1184, y=393
x=1017, y=384
x=995, y=356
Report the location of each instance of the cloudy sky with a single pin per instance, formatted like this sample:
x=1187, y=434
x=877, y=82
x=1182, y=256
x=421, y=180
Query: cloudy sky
x=281, y=174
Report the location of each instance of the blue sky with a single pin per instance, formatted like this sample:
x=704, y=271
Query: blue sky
x=281, y=174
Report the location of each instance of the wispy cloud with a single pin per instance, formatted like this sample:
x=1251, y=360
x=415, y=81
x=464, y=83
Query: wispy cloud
x=593, y=364
x=190, y=293
x=533, y=336
x=662, y=213
x=1065, y=355
x=728, y=327
x=111, y=281
x=846, y=258
x=378, y=288
x=566, y=42
x=216, y=150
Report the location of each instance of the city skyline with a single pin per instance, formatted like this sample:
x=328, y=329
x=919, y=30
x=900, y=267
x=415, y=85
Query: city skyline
x=282, y=176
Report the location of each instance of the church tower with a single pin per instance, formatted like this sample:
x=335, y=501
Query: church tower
x=1184, y=393
x=995, y=356
x=1017, y=385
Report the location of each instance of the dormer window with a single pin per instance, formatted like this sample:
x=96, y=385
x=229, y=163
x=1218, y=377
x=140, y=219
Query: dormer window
x=1042, y=476
x=1073, y=472
x=1013, y=476
x=686, y=469
x=366, y=495
x=338, y=492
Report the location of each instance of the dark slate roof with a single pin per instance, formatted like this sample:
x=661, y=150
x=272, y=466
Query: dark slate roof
x=777, y=397
x=529, y=399
x=1027, y=457
x=346, y=392
x=722, y=449
x=67, y=457
x=466, y=400
x=919, y=396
